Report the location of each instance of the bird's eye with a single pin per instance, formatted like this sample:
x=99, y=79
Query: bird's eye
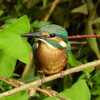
x=52, y=35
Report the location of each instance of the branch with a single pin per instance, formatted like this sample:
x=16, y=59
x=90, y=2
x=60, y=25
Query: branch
x=53, y=6
x=12, y=82
x=91, y=10
x=17, y=83
x=50, y=78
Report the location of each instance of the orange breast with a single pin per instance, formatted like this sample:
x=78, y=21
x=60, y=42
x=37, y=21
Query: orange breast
x=50, y=59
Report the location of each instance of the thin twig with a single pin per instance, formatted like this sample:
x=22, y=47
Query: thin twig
x=84, y=36
x=50, y=78
x=53, y=6
x=32, y=90
x=45, y=92
x=77, y=42
x=17, y=83
x=12, y=82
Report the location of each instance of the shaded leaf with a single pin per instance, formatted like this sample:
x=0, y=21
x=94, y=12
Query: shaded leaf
x=1, y=12
x=45, y=3
x=97, y=20
x=79, y=91
x=39, y=24
x=81, y=9
x=92, y=41
x=96, y=77
x=98, y=98
x=71, y=58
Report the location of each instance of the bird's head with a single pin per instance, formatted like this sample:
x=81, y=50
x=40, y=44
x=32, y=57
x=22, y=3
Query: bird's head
x=56, y=36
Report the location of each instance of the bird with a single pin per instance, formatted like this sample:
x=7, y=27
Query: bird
x=51, y=55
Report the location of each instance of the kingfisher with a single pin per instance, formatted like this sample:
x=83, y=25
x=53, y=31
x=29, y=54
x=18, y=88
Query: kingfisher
x=50, y=55
x=53, y=50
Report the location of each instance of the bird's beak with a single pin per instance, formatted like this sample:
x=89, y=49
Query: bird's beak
x=35, y=35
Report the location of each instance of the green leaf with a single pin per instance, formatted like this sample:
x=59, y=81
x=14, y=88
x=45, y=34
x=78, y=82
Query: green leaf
x=7, y=65
x=97, y=20
x=1, y=12
x=89, y=70
x=96, y=77
x=98, y=98
x=17, y=26
x=12, y=42
x=92, y=41
x=96, y=90
x=79, y=91
x=45, y=3
x=71, y=58
x=81, y=9
x=18, y=49
x=23, y=95
x=39, y=24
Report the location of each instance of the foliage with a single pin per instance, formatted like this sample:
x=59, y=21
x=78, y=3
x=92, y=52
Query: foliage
x=19, y=17
x=13, y=46
x=73, y=92
x=21, y=95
